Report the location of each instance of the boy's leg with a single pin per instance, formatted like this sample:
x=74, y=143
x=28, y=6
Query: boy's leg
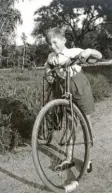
x=70, y=150
x=82, y=95
x=70, y=147
x=48, y=92
x=89, y=120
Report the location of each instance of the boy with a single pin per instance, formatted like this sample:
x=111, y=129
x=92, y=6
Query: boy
x=79, y=85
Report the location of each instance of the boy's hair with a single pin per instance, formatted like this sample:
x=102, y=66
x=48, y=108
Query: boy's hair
x=55, y=32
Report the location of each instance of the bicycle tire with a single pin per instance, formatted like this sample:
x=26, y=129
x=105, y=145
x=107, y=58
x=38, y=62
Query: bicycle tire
x=35, y=145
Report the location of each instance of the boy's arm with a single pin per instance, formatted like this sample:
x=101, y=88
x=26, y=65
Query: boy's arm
x=75, y=52
x=85, y=54
x=47, y=68
x=48, y=73
x=90, y=53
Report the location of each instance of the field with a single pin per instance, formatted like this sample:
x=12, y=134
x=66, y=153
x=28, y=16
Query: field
x=17, y=172
x=25, y=86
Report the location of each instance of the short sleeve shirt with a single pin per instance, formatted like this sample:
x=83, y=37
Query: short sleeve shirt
x=69, y=54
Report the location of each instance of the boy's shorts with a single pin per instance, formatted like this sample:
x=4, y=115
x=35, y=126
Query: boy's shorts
x=82, y=93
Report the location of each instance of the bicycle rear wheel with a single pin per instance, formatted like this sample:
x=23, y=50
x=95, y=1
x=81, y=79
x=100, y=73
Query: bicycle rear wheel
x=47, y=157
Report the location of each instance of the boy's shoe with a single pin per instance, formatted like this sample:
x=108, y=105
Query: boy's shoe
x=90, y=167
x=65, y=165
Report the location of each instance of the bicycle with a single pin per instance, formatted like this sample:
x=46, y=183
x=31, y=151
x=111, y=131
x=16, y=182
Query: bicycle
x=72, y=130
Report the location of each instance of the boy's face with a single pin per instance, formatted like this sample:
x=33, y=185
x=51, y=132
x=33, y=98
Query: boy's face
x=57, y=44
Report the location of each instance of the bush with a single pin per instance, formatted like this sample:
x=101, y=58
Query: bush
x=16, y=123
x=100, y=86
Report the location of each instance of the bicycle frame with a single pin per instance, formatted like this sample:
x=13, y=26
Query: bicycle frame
x=67, y=95
x=58, y=111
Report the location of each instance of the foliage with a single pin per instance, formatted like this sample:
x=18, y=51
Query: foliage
x=16, y=123
x=42, y=51
x=80, y=18
x=9, y=18
x=27, y=55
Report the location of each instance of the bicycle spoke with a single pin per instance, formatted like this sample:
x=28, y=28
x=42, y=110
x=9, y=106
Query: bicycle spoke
x=68, y=143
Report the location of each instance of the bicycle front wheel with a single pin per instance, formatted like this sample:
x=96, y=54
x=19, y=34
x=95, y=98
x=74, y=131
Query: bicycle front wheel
x=66, y=135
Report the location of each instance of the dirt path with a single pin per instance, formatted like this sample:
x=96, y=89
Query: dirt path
x=17, y=173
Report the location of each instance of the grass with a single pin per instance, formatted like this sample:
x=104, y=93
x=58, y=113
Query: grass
x=20, y=101
x=100, y=78
x=24, y=89
x=25, y=86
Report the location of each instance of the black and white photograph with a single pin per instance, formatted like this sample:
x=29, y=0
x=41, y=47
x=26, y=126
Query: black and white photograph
x=55, y=96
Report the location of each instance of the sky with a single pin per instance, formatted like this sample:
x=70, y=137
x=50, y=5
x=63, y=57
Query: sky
x=27, y=9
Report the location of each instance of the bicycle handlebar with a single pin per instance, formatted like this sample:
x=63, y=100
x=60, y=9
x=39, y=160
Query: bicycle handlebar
x=73, y=61
x=76, y=60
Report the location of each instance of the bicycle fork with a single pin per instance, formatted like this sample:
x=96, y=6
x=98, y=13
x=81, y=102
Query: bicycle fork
x=68, y=95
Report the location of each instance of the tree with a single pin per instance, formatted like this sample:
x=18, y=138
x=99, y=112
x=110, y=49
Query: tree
x=24, y=38
x=9, y=17
x=68, y=14
x=41, y=53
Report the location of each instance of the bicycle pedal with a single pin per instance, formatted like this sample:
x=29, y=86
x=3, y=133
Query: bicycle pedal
x=64, y=165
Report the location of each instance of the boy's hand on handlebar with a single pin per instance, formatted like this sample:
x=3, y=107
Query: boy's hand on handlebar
x=68, y=62
x=89, y=56
x=83, y=56
x=52, y=60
